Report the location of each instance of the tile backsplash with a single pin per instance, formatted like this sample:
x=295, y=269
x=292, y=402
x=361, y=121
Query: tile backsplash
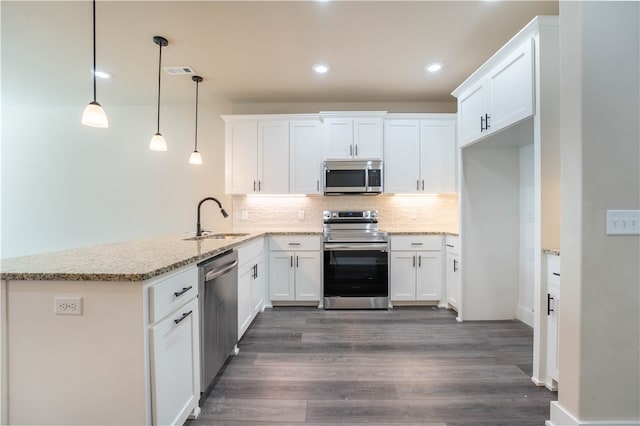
x=396, y=212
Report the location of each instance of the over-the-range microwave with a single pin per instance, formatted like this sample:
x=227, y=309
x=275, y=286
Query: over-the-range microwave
x=352, y=177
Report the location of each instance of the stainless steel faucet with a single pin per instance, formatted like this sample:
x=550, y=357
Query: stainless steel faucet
x=224, y=213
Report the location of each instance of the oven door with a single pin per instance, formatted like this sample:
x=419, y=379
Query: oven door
x=356, y=270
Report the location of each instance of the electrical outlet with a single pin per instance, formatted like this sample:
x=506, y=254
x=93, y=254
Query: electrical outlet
x=300, y=214
x=623, y=222
x=68, y=305
x=245, y=215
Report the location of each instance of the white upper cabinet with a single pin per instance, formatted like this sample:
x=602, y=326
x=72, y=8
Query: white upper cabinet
x=273, y=151
x=241, y=157
x=498, y=97
x=420, y=155
x=273, y=154
x=353, y=138
x=254, y=153
x=305, y=157
x=402, y=156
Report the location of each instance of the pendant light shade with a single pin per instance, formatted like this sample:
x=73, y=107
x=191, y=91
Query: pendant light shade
x=93, y=114
x=196, y=158
x=157, y=141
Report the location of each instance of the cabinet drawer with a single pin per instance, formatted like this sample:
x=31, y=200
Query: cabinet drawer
x=553, y=270
x=294, y=242
x=452, y=244
x=250, y=251
x=416, y=242
x=172, y=292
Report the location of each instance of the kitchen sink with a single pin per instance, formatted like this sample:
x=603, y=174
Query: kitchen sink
x=221, y=236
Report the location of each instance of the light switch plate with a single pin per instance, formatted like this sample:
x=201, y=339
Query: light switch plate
x=623, y=222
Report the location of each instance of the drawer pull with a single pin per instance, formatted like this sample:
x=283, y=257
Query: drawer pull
x=294, y=244
x=416, y=244
x=556, y=274
x=179, y=320
x=549, y=299
x=184, y=290
x=449, y=245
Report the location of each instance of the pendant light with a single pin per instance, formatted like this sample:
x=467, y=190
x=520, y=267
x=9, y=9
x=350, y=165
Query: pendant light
x=196, y=158
x=93, y=114
x=157, y=141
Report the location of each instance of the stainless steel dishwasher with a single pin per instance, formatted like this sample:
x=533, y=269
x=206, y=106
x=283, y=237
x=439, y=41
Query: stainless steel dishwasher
x=218, y=302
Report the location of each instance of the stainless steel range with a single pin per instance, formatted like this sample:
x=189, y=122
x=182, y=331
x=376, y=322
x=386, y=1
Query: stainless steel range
x=355, y=261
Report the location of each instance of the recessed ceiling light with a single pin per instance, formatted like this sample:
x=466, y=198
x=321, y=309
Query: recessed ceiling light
x=434, y=67
x=321, y=68
x=102, y=74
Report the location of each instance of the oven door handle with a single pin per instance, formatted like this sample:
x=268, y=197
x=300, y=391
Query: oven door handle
x=355, y=246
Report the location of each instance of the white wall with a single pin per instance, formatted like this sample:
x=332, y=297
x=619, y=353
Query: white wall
x=65, y=185
x=599, y=339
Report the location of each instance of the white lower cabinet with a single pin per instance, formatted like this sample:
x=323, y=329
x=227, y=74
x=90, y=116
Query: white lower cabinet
x=416, y=268
x=553, y=313
x=251, y=283
x=174, y=341
x=452, y=271
x=295, y=275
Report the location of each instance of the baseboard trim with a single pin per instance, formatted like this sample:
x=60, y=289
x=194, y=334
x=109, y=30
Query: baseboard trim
x=525, y=315
x=561, y=417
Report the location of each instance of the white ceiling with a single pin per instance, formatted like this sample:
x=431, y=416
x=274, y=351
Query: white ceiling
x=253, y=51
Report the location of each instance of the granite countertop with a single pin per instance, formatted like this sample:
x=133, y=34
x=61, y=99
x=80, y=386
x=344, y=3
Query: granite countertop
x=138, y=260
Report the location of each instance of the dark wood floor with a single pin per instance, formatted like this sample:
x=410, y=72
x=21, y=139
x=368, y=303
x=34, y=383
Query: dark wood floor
x=402, y=366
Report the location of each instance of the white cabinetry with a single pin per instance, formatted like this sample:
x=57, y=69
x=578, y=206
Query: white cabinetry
x=254, y=153
x=502, y=96
x=305, y=161
x=553, y=313
x=174, y=347
x=452, y=271
x=348, y=137
x=416, y=268
x=251, y=283
x=420, y=155
x=295, y=268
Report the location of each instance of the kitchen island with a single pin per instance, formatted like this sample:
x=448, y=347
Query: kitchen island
x=121, y=351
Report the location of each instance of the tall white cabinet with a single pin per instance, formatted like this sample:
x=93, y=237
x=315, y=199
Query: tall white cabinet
x=510, y=106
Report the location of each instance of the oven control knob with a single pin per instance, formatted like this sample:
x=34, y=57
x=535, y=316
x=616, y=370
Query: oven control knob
x=334, y=214
x=374, y=214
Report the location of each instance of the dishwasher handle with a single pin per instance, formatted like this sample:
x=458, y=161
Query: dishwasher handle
x=212, y=275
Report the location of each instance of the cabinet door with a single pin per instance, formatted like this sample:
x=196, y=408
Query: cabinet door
x=307, y=267
x=367, y=138
x=281, y=275
x=511, y=88
x=175, y=371
x=338, y=139
x=438, y=156
x=429, y=276
x=472, y=105
x=241, y=157
x=452, y=277
x=305, y=161
x=402, y=275
x=258, y=283
x=402, y=156
x=273, y=157
x=245, y=308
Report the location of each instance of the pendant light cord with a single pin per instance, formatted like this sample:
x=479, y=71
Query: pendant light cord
x=196, y=144
x=159, y=74
x=94, y=51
